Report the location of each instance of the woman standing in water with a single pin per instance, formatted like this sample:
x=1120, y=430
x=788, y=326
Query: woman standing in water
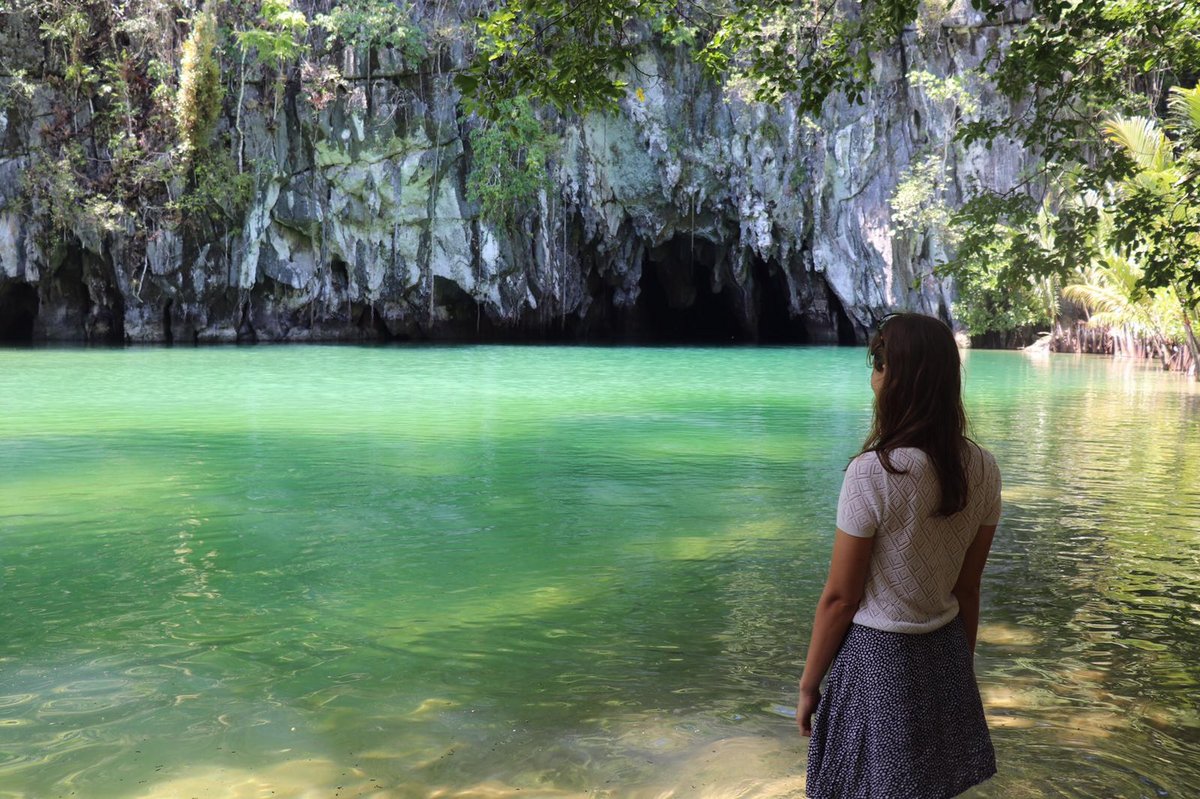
x=895, y=627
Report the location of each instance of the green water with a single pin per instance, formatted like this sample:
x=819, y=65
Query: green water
x=539, y=572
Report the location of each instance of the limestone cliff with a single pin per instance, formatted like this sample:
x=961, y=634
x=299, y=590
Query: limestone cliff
x=689, y=215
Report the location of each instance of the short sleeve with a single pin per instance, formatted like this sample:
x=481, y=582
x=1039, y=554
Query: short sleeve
x=861, y=503
x=991, y=516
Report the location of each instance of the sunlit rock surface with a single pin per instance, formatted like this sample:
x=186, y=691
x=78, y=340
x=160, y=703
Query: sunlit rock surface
x=690, y=215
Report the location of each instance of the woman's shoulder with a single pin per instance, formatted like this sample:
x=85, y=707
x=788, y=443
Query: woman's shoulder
x=901, y=457
x=908, y=459
x=900, y=460
x=977, y=451
x=864, y=466
x=864, y=462
x=982, y=463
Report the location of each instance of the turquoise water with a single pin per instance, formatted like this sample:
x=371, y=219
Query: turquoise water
x=494, y=572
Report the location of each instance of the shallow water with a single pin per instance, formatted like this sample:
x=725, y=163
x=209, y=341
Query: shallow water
x=494, y=572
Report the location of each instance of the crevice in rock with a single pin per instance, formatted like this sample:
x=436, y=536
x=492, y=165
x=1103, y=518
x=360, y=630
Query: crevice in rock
x=168, y=333
x=944, y=313
x=846, y=335
x=337, y=290
x=18, y=311
x=245, y=331
x=340, y=273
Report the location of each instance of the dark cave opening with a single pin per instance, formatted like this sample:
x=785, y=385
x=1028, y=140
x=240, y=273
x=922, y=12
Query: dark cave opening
x=68, y=292
x=465, y=319
x=168, y=334
x=370, y=322
x=84, y=281
x=340, y=274
x=18, y=310
x=776, y=325
x=845, y=328
x=107, y=324
x=676, y=303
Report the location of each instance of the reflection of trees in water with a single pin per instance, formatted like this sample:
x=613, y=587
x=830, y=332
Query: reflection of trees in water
x=1096, y=560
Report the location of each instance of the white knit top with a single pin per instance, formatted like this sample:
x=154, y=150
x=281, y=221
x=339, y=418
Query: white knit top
x=917, y=554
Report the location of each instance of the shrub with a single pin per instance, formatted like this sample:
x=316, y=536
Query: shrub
x=511, y=163
x=198, y=104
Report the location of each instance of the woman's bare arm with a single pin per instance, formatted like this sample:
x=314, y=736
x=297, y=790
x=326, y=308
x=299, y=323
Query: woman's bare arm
x=970, y=577
x=835, y=609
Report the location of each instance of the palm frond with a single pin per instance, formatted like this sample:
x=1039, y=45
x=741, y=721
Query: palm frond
x=1185, y=106
x=1141, y=139
x=1119, y=270
x=1110, y=290
x=1097, y=299
x=1165, y=311
x=1156, y=181
x=1114, y=321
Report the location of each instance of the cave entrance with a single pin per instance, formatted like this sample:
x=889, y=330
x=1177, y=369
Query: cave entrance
x=463, y=315
x=676, y=303
x=18, y=310
x=845, y=328
x=775, y=322
x=82, y=290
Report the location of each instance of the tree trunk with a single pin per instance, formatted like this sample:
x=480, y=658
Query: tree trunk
x=1163, y=351
x=1193, y=346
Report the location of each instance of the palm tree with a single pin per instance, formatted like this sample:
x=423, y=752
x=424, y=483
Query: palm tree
x=1110, y=290
x=1161, y=186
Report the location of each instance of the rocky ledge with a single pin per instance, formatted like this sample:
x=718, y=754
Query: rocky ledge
x=691, y=215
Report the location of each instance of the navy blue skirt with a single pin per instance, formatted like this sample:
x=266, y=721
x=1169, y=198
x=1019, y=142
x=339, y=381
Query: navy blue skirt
x=900, y=718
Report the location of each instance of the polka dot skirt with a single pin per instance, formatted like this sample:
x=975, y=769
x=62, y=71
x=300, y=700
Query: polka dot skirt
x=900, y=718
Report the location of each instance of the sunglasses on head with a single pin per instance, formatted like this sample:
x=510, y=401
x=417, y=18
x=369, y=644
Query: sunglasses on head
x=875, y=359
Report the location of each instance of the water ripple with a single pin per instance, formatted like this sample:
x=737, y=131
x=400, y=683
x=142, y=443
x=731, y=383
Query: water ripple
x=549, y=572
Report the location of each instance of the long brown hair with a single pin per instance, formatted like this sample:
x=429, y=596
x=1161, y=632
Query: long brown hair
x=920, y=401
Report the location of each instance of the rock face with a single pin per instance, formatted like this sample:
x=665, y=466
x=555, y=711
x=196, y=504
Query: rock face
x=689, y=216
